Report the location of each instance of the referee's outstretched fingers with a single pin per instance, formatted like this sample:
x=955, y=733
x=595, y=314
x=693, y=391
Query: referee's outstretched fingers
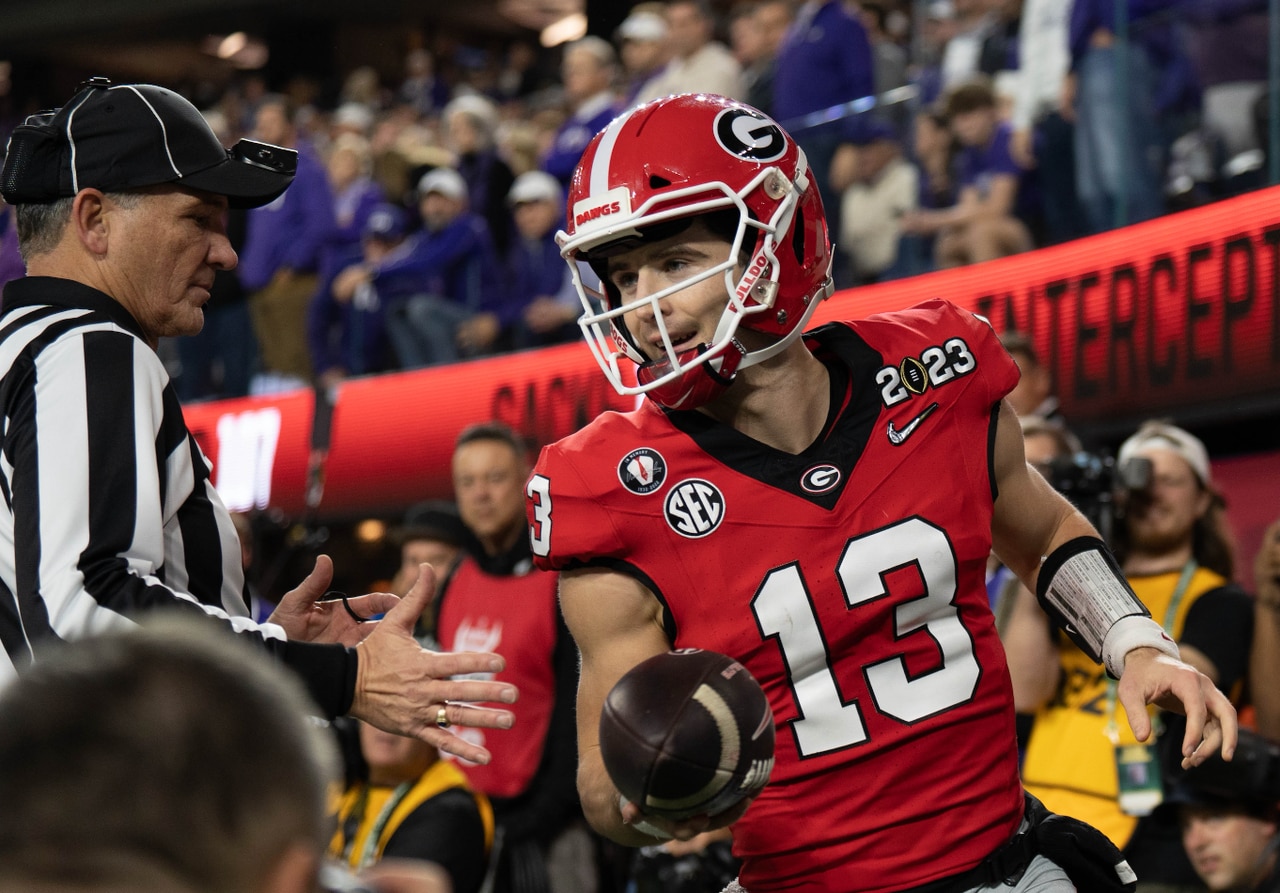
x=400, y=686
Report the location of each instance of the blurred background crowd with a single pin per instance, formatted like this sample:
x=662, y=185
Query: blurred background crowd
x=941, y=133
x=435, y=156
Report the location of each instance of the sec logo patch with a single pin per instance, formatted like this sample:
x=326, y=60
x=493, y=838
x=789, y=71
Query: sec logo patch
x=642, y=471
x=694, y=508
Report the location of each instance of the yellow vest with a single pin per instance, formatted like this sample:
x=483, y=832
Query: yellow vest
x=1070, y=761
x=442, y=776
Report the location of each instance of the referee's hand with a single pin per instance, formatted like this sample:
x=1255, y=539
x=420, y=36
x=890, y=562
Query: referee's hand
x=307, y=616
x=403, y=688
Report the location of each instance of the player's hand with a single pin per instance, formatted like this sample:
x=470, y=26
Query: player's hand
x=697, y=844
x=306, y=618
x=1152, y=677
x=401, y=687
x=689, y=828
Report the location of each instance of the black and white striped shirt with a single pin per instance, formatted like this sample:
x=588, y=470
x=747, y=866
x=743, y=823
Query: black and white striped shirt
x=108, y=510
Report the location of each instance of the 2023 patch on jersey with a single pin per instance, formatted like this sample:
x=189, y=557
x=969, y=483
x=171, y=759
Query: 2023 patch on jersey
x=850, y=582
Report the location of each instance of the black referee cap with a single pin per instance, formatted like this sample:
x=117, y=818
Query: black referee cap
x=126, y=136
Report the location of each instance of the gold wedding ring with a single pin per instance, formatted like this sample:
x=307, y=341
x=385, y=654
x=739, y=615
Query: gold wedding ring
x=442, y=718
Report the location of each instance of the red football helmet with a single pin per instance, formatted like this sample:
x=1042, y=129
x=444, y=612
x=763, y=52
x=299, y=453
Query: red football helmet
x=689, y=155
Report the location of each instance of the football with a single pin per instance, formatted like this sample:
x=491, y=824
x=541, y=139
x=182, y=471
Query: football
x=687, y=732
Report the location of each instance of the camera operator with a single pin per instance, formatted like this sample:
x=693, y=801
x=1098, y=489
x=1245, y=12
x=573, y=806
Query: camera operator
x=1082, y=759
x=1228, y=816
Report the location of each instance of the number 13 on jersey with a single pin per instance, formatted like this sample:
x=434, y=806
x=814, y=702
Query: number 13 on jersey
x=784, y=611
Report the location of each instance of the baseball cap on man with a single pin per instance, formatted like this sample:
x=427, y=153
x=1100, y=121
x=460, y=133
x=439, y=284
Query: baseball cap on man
x=387, y=222
x=126, y=136
x=443, y=180
x=644, y=26
x=535, y=186
x=1161, y=435
x=432, y=520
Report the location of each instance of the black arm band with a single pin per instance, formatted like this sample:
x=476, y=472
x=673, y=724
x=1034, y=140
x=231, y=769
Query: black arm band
x=1082, y=588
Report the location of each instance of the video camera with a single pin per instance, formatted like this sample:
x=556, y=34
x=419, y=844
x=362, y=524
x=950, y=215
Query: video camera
x=1251, y=778
x=1097, y=486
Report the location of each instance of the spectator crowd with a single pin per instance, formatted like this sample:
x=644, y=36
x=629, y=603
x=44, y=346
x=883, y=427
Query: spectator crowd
x=421, y=226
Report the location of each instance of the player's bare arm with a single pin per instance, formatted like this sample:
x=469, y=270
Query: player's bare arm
x=611, y=643
x=1032, y=521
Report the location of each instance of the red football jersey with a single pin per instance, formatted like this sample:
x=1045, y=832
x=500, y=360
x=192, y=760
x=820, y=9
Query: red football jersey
x=849, y=579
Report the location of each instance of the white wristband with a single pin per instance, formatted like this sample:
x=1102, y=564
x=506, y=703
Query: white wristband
x=1128, y=633
x=644, y=827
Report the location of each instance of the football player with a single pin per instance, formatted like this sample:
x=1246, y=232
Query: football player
x=821, y=507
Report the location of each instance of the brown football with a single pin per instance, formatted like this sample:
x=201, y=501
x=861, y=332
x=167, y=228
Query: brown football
x=687, y=732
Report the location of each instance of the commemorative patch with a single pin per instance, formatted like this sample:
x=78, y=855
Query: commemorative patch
x=642, y=471
x=694, y=508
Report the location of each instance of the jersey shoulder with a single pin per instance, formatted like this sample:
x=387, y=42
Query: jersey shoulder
x=590, y=445
x=580, y=481
x=928, y=319
x=935, y=342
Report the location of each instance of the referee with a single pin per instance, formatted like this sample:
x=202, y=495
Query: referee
x=109, y=513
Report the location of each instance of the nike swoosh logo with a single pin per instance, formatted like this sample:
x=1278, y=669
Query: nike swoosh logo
x=898, y=436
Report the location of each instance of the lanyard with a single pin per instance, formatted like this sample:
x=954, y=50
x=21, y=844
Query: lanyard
x=1188, y=571
x=369, y=852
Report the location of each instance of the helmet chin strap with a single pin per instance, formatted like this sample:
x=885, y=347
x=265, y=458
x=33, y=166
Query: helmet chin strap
x=696, y=386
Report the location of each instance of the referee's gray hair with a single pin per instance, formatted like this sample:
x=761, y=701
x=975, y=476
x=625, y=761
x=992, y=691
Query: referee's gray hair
x=40, y=226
